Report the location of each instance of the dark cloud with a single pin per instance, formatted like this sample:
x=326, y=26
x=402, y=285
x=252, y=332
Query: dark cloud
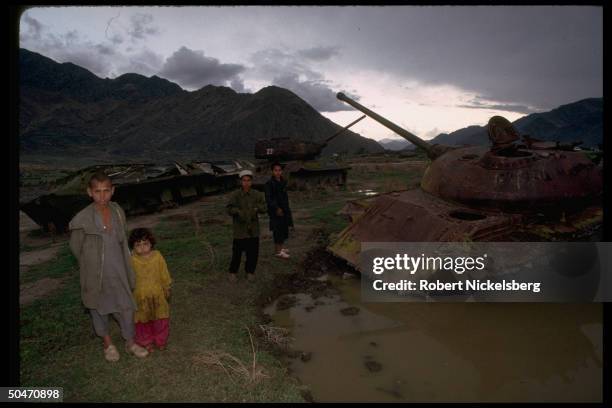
x=70, y=47
x=33, y=28
x=238, y=85
x=144, y=62
x=540, y=56
x=66, y=47
x=319, y=53
x=289, y=70
x=515, y=57
x=316, y=93
x=71, y=37
x=503, y=107
x=508, y=108
x=105, y=49
x=115, y=38
x=272, y=62
x=141, y=26
x=85, y=57
x=192, y=69
x=103, y=59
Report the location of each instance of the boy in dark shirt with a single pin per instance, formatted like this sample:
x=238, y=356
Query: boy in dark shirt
x=244, y=206
x=278, y=209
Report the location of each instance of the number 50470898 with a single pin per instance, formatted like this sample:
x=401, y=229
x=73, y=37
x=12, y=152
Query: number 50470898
x=23, y=393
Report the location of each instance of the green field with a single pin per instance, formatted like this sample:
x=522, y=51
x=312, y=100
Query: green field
x=209, y=314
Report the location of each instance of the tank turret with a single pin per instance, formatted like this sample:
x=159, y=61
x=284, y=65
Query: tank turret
x=509, y=190
x=285, y=148
x=504, y=175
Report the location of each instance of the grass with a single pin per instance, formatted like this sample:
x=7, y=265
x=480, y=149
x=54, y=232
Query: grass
x=326, y=216
x=58, y=347
x=64, y=264
x=211, y=323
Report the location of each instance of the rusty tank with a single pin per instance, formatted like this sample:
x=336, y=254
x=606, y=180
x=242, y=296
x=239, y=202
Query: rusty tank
x=512, y=190
x=301, y=163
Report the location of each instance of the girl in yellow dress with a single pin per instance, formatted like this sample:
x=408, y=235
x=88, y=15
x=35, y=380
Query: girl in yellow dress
x=152, y=290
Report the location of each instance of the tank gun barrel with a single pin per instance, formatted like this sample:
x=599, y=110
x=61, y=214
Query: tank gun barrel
x=329, y=139
x=433, y=151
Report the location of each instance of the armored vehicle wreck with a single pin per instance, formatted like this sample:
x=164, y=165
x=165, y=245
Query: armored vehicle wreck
x=507, y=191
x=139, y=188
x=299, y=160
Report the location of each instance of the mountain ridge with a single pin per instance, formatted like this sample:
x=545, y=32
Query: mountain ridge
x=65, y=109
x=576, y=121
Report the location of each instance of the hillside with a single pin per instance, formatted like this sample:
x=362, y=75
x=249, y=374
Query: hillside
x=66, y=110
x=578, y=121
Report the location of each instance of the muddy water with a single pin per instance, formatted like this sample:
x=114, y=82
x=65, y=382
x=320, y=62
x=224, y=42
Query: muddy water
x=445, y=352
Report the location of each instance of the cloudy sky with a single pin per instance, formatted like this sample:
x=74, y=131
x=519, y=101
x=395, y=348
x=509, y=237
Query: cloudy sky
x=429, y=69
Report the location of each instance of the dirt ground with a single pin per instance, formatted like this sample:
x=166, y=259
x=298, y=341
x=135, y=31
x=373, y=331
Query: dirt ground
x=35, y=290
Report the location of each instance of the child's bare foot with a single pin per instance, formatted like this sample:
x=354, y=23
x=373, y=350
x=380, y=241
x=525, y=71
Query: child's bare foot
x=149, y=348
x=162, y=347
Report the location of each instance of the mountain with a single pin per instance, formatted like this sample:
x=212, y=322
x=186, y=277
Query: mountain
x=581, y=120
x=396, y=144
x=471, y=135
x=65, y=110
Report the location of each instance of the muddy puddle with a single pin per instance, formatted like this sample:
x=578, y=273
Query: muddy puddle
x=443, y=352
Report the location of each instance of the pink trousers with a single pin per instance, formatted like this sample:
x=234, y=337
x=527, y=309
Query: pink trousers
x=155, y=331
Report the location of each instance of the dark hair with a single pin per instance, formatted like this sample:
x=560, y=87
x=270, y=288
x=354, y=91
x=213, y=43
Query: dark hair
x=141, y=234
x=100, y=177
x=276, y=164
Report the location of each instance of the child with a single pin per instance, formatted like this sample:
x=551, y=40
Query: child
x=152, y=291
x=98, y=241
x=244, y=206
x=278, y=210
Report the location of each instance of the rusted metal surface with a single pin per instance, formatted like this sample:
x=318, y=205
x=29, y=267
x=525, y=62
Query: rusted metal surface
x=354, y=209
x=433, y=150
x=505, y=175
x=285, y=148
x=416, y=216
x=482, y=193
x=527, y=180
x=305, y=175
x=501, y=133
x=299, y=160
x=139, y=189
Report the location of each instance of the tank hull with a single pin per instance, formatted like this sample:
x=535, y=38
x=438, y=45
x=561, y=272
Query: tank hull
x=136, y=194
x=417, y=216
x=305, y=175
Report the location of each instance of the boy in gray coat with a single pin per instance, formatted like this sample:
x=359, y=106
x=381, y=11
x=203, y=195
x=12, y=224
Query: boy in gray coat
x=98, y=240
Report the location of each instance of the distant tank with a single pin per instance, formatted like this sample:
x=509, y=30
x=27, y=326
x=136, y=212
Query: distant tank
x=139, y=189
x=510, y=190
x=301, y=167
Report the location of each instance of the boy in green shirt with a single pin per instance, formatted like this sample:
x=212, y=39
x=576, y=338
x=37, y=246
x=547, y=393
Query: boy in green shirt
x=244, y=206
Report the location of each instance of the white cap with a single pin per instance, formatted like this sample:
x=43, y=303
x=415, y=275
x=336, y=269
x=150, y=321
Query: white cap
x=245, y=173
